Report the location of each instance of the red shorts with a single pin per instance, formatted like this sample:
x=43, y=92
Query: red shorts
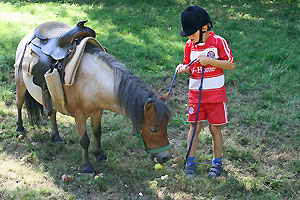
x=215, y=113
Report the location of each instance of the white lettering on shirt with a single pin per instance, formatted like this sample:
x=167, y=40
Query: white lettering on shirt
x=199, y=70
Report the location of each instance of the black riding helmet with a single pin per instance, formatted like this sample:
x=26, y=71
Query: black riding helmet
x=193, y=18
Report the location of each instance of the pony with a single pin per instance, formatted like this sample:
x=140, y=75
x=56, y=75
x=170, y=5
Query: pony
x=102, y=83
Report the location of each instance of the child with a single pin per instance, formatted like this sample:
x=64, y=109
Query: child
x=213, y=52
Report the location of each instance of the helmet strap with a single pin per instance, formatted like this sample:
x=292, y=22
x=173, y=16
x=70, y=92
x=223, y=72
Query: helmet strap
x=200, y=36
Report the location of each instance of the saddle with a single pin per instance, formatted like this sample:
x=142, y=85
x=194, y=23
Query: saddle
x=51, y=59
x=56, y=39
x=54, y=42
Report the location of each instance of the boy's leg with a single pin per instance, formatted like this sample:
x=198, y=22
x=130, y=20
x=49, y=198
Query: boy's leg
x=217, y=143
x=217, y=115
x=196, y=138
x=190, y=168
x=217, y=140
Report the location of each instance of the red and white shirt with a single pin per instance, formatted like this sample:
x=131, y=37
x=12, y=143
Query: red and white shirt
x=213, y=81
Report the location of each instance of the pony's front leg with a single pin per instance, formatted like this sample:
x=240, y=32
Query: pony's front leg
x=84, y=142
x=96, y=126
x=55, y=137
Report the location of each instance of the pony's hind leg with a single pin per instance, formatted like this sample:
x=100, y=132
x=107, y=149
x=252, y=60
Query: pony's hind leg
x=55, y=137
x=96, y=126
x=20, y=97
x=20, y=127
x=84, y=141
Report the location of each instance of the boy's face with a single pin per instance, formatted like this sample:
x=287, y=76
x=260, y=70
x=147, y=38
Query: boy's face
x=195, y=37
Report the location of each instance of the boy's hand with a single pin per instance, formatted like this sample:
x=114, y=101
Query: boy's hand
x=203, y=60
x=181, y=69
x=222, y=64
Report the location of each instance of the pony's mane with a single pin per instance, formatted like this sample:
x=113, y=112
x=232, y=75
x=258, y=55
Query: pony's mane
x=130, y=92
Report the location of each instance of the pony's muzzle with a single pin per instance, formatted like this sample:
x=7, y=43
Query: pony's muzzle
x=161, y=157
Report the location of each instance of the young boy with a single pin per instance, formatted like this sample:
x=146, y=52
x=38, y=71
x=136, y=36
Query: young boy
x=213, y=52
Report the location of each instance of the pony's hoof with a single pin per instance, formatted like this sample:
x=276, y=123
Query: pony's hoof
x=44, y=119
x=56, y=138
x=44, y=122
x=20, y=129
x=100, y=156
x=88, y=169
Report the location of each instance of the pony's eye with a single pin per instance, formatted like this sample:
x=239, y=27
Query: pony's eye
x=153, y=130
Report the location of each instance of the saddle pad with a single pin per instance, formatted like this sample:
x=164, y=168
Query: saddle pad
x=34, y=90
x=29, y=60
x=72, y=66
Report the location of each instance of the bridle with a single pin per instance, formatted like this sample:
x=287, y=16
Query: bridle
x=138, y=133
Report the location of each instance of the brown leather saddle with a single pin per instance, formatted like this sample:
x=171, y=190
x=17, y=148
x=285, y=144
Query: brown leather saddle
x=54, y=43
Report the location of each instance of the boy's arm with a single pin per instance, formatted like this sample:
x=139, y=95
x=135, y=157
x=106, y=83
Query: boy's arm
x=223, y=64
x=181, y=68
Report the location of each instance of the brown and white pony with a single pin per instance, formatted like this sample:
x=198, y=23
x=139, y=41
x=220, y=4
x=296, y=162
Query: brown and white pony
x=104, y=83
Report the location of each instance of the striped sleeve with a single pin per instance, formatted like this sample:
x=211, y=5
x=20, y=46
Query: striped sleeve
x=224, y=50
x=187, y=53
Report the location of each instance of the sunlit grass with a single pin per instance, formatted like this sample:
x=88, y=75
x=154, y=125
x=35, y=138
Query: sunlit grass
x=21, y=180
x=32, y=15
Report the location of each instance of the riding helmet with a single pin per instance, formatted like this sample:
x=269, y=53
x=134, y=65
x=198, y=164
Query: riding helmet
x=193, y=18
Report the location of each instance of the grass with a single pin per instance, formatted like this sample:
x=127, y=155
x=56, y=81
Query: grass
x=261, y=142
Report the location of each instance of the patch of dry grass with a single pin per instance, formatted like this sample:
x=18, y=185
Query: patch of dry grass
x=20, y=180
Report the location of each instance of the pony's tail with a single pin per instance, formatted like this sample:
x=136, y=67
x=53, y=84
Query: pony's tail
x=34, y=110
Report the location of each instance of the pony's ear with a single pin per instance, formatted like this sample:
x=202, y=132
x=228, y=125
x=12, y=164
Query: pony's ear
x=164, y=97
x=149, y=105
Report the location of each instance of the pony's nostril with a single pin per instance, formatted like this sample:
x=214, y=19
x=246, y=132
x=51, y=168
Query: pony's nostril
x=152, y=157
x=165, y=159
x=160, y=157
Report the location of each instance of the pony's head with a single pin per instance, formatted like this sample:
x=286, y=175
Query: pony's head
x=153, y=132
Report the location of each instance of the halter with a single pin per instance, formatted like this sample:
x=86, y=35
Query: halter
x=151, y=151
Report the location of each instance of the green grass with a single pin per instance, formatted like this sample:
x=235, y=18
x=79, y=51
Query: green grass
x=261, y=142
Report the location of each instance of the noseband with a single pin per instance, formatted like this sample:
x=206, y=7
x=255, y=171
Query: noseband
x=151, y=151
